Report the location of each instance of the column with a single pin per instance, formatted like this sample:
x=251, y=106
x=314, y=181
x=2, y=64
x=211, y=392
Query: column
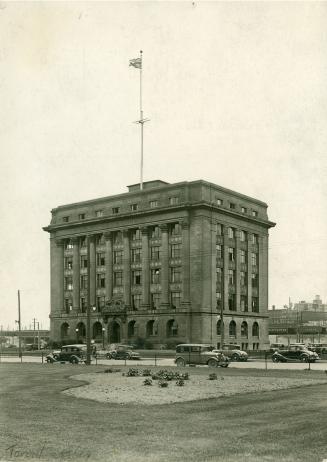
x=126, y=269
x=263, y=274
x=92, y=271
x=145, y=269
x=57, y=275
x=109, y=271
x=249, y=270
x=164, y=266
x=76, y=273
x=225, y=270
x=238, y=270
x=185, y=264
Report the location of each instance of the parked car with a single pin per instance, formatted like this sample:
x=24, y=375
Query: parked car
x=295, y=352
x=73, y=354
x=276, y=347
x=319, y=348
x=195, y=353
x=234, y=352
x=122, y=352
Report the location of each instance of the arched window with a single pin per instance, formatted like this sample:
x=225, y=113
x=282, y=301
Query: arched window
x=64, y=330
x=255, y=329
x=97, y=331
x=80, y=332
x=232, y=329
x=131, y=329
x=244, y=329
x=218, y=327
x=172, y=328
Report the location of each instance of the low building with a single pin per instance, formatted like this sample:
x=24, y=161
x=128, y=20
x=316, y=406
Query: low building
x=162, y=264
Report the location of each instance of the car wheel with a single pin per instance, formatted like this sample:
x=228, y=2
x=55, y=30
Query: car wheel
x=212, y=363
x=235, y=357
x=55, y=357
x=275, y=360
x=74, y=361
x=49, y=360
x=108, y=356
x=180, y=362
x=128, y=356
x=304, y=359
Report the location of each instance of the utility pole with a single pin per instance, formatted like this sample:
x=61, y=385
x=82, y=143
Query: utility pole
x=38, y=335
x=19, y=329
x=34, y=320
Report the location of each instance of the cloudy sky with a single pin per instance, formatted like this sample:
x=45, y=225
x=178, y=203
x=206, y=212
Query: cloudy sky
x=236, y=94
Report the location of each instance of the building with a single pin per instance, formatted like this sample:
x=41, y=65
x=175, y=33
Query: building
x=163, y=262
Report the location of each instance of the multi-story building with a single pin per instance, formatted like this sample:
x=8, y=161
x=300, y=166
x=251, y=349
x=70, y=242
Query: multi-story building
x=163, y=264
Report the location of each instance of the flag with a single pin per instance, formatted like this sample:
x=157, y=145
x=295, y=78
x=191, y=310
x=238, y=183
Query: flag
x=137, y=62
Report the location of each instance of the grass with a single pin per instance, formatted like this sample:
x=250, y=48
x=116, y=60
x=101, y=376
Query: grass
x=38, y=423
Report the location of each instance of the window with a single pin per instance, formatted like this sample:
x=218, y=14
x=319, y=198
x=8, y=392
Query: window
x=244, y=303
x=136, y=255
x=83, y=305
x=242, y=236
x=219, y=201
x=155, y=232
x=155, y=276
x=134, y=207
x=218, y=300
x=136, y=277
x=136, y=301
x=65, y=219
x=155, y=253
x=243, y=256
x=219, y=229
x=118, y=257
x=255, y=239
x=101, y=281
x=99, y=213
x=243, y=278
x=231, y=277
x=84, y=281
x=83, y=261
x=100, y=303
x=68, y=283
x=83, y=241
x=173, y=200
x=101, y=261
x=175, y=229
x=99, y=239
x=136, y=235
x=68, y=263
x=243, y=209
x=218, y=327
x=255, y=329
x=155, y=301
x=255, y=280
x=115, y=210
x=255, y=304
x=118, y=237
x=254, y=259
x=153, y=204
x=151, y=328
x=232, y=329
x=175, y=274
x=254, y=213
x=81, y=216
x=244, y=329
x=231, y=254
x=219, y=251
x=219, y=274
x=231, y=233
x=232, y=206
x=175, y=251
x=232, y=302
x=68, y=305
x=175, y=300
x=68, y=245
x=131, y=329
x=118, y=278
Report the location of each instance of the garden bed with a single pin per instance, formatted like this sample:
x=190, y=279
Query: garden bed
x=119, y=388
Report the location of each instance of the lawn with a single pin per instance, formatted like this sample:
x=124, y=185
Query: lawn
x=38, y=423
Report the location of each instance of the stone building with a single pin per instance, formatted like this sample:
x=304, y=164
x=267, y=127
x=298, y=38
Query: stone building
x=163, y=262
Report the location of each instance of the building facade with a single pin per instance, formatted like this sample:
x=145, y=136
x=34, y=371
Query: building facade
x=161, y=264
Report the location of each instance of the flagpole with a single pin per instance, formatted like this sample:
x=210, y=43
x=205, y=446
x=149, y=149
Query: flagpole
x=141, y=122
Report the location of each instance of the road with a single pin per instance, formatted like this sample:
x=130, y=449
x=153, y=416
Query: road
x=251, y=364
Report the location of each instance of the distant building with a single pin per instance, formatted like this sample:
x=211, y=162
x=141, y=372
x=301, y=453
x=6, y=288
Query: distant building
x=163, y=262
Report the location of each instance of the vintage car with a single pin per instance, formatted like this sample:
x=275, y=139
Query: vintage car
x=319, y=348
x=73, y=354
x=122, y=352
x=234, y=352
x=295, y=353
x=196, y=353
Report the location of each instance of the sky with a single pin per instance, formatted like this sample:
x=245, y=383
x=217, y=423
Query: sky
x=236, y=94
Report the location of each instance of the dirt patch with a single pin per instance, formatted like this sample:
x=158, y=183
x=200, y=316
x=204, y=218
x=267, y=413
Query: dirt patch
x=119, y=389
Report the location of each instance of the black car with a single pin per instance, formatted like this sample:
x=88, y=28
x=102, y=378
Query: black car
x=73, y=354
x=122, y=352
x=296, y=352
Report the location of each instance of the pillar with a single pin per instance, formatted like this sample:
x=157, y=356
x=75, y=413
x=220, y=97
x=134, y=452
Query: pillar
x=164, y=266
x=76, y=274
x=145, y=269
x=126, y=269
x=92, y=271
x=57, y=275
x=237, y=270
x=249, y=270
x=109, y=270
x=185, y=263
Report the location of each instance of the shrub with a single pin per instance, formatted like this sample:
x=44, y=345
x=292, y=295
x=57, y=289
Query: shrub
x=139, y=343
x=162, y=383
x=213, y=376
x=132, y=372
x=180, y=382
x=147, y=382
x=146, y=373
x=110, y=370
